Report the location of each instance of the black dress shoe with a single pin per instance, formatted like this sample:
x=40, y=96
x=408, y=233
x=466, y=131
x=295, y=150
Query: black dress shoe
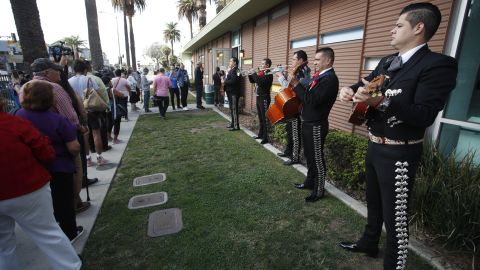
x=256, y=137
x=90, y=181
x=353, y=247
x=302, y=186
x=290, y=162
x=231, y=126
x=233, y=129
x=264, y=141
x=283, y=155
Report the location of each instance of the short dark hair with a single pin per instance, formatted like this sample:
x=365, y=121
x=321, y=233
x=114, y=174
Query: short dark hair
x=328, y=52
x=301, y=54
x=268, y=61
x=145, y=70
x=37, y=96
x=118, y=72
x=235, y=60
x=217, y=69
x=427, y=13
x=80, y=66
x=161, y=70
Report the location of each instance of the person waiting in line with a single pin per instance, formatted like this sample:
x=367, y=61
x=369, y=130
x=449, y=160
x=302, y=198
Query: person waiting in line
x=263, y=83
x=173, y=90
x=294, y=127
x=134, y=93
x=418, y=85
x=199, y=84
x=161, y=84
x=37, y=100
x=120, y=89
x=146, y=90
x=183, y=82
x=217, y=84
x=233, y=88
x=25, y=197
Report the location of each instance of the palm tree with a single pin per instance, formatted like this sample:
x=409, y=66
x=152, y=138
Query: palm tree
x=187, y=9
x=93, y=34
x=166, y=52
x=128, y=7
x=75, y=43
x=171, y=34
x=29, y=29
x=202, y=12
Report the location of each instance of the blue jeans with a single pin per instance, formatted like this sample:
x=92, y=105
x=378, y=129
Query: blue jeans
x=146, y=100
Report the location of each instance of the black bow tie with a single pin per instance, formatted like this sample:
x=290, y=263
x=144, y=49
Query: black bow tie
x=395, y=64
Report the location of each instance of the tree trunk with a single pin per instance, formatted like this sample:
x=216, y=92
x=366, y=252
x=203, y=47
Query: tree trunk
x=202, y=13
x=191, y=30
x=127, y=48
x=171, y=44
x=29, y=29
x=93, y=34
x=132, y=44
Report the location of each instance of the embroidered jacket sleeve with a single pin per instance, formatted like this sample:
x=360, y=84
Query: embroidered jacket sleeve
x=433, y=86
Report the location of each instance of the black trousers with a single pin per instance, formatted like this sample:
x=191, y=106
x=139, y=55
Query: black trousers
x=162, y=105
x=184, y=95
x=263, y=102
x=216, y=94
x=174, y=92
x=390, y=172
x=198, y=89
x=233, y=104
x=63, y=206
x=314, y=135
x=294, y=141
x=102, y=118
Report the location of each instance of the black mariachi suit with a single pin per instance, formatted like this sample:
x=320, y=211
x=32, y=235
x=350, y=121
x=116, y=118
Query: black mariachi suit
x=264, y=84
x=199, y=85
x=232, y=87
x=418, y=91
x=317, y=100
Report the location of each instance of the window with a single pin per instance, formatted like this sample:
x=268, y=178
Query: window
x=235, y=38
x=371, y=63
x=279, y=13
x=343, y=35
x=261, y=21
x=304, y=42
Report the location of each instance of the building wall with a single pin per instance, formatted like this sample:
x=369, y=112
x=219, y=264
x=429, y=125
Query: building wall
x=313, y=18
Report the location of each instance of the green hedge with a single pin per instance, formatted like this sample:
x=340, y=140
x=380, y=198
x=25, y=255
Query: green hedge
x=345, y=157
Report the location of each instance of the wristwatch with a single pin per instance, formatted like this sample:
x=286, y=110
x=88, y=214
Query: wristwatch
x=384, y=104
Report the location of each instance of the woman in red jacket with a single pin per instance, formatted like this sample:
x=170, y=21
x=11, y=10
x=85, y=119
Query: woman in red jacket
x=25, y=195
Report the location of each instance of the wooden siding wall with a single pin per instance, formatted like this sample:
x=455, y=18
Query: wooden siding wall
x=313, y=18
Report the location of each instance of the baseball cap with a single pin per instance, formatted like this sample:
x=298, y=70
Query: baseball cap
x=41, y=64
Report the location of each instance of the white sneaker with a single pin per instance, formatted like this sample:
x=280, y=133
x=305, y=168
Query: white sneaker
x=185, y=108
x=80, y=232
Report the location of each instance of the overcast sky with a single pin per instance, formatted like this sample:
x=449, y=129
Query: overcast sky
x=62, y=18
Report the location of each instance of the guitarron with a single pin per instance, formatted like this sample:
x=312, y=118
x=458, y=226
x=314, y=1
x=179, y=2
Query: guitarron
x=286, y=105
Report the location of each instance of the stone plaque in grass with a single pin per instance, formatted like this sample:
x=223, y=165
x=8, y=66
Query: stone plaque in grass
x=147, y=200
x=163, y=222
x=149, y=179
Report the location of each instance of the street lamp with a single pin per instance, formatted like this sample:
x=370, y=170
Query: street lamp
x=118, y=36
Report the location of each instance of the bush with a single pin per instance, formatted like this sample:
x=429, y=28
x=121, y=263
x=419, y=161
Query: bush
x=345, y=157
x=279, y=133
x=446, y=199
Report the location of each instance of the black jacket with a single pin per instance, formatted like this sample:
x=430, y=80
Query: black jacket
x=232, y=82
x=264, y=83
x=217, y=80
x=198, y=77
x=317, y=101
x=422, y=86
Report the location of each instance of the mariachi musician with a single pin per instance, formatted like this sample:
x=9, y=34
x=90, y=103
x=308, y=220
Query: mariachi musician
x=232, y=88
x=317, y=100
x=263, y=80
x=294, y=129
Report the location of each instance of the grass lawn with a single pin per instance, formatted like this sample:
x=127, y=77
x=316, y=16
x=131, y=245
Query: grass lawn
x=239, y=207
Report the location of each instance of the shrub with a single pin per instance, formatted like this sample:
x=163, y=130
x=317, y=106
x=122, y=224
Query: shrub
x=279, y=133
x=345, y=157
x=446, y=199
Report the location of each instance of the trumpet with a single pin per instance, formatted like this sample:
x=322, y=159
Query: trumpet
x=267, y=71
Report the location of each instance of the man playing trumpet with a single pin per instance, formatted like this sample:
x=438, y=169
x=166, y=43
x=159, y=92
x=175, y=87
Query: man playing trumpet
x=263, y=83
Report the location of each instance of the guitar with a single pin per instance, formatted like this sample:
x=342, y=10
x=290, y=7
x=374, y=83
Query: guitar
x=360, y=109
x=287, y=104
